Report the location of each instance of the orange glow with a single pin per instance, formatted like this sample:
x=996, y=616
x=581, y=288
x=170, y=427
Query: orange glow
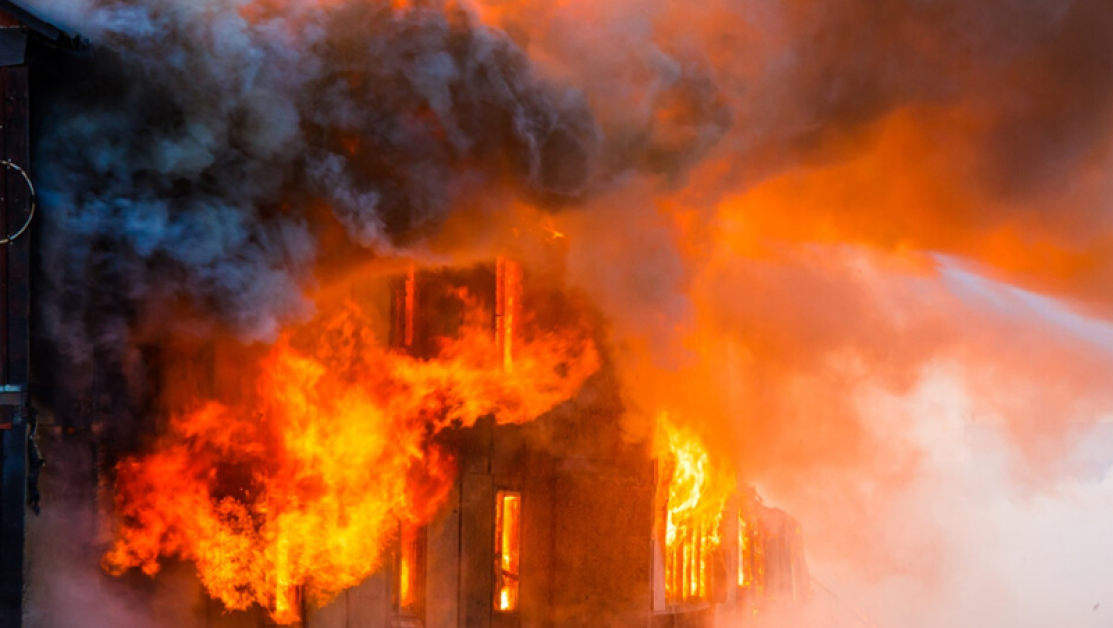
x=694, y=512
x=509, y=298
x=410, y=288
x=297, y=480
x=408, y=557
x=508, y=524
x=745, y=549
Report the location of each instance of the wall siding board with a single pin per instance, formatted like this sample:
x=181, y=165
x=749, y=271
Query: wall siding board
x=443, y=565
x=477, y=554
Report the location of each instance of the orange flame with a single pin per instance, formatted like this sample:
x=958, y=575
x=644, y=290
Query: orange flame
x=697, y=493
x=408, y=559
x=301, y=484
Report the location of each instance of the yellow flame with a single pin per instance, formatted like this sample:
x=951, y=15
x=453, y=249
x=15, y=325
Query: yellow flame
x=744, y=550
x=508, y=533
x=697, y=493
x=266, y=488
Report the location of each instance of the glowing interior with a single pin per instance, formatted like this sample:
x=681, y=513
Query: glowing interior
x=508, y=525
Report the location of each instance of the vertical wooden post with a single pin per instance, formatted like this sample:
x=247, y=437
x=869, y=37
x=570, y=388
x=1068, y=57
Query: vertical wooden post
x=15, y=311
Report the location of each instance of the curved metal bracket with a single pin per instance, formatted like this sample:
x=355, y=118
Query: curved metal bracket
x=31, y=188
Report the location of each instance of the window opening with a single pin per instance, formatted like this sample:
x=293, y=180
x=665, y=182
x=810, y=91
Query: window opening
x=508, y=525
x=409, y=571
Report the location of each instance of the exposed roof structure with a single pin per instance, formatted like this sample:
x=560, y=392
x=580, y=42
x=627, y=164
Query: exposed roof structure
x=43, y=30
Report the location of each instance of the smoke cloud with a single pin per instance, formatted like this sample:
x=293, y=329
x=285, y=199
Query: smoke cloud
x=863, y=245
x=214, y=143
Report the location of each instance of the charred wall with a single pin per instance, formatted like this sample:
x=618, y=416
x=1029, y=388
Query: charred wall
x=589, y=498
x=586, y=494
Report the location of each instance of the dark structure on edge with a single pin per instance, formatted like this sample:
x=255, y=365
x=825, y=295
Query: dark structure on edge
x=23, y=37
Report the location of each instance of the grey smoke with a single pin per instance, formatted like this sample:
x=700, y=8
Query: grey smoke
x=186, y=176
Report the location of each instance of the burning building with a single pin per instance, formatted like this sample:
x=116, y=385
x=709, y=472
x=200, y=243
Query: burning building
x=559, y=520
x=444, y=447
x=490, y=312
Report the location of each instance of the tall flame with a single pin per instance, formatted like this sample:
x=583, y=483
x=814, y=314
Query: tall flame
x=300, y=484
x=697, y=493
